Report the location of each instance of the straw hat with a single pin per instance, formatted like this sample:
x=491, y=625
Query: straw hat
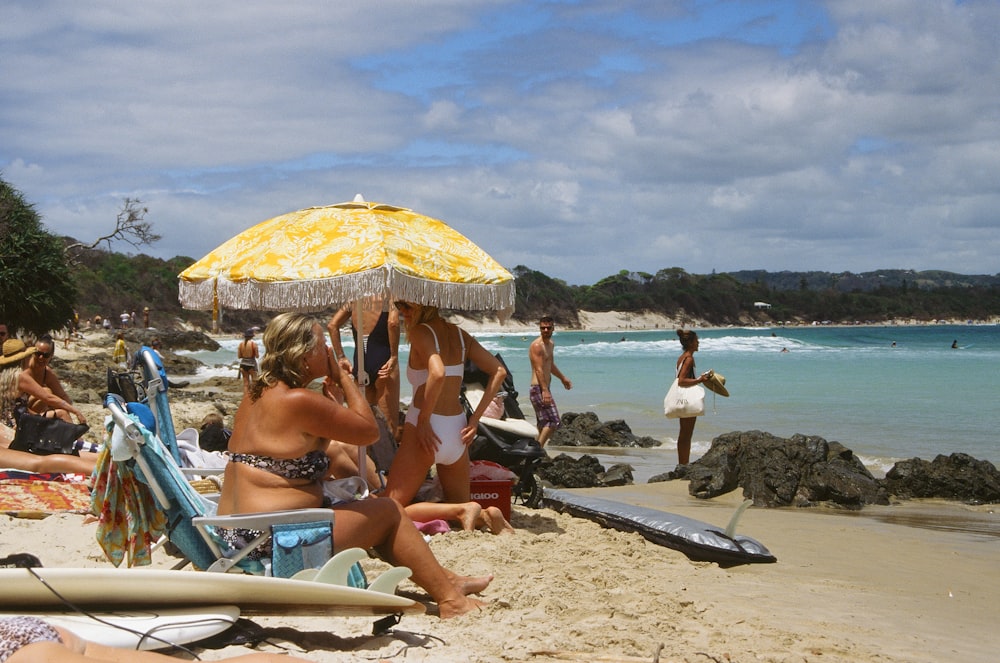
x=717, y=383
x=14, y=351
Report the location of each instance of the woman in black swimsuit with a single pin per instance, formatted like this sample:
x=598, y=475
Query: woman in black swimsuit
x=279, y=432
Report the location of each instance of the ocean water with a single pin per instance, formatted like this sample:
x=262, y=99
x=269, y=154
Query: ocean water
x=918, y=398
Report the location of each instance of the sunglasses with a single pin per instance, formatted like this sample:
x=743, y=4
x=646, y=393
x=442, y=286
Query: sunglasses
x=546, y=328
x=44, y=355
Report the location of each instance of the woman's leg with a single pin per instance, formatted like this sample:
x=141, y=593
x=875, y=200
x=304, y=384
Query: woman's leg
x=382, y=524
x=684, y=439
x=469, y=515
x=408, y=469
x=455, y=479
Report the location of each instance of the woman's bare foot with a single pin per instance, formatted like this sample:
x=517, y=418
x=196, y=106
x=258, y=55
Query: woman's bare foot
x=471, y=515
x=455, y=607
x=493, y=518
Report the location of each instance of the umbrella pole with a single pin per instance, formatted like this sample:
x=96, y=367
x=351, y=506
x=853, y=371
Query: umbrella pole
x=215, y=308
x=359, y=322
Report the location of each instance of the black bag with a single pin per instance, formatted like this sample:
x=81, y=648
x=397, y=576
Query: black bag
x=124, y=385
x=43, y=436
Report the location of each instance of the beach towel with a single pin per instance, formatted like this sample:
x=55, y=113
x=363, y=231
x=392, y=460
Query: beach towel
x=129, y=521
x=36, y=495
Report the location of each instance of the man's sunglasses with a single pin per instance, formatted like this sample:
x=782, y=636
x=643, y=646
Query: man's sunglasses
x=44, y=355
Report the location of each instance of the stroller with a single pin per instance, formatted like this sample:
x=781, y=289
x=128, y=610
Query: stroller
x=509, y=440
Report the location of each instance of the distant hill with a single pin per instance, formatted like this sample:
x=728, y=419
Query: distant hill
x=109, y=283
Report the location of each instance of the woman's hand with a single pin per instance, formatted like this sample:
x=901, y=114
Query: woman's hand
x=469, y=432
x=427, y=438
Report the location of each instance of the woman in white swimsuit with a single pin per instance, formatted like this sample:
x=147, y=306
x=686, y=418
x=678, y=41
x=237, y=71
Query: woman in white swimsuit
x=436, y=429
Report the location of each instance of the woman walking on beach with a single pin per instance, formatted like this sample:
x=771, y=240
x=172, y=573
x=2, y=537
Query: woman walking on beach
x=686, y=378
x=278, y=458
x=247, y=353
x=437, y=431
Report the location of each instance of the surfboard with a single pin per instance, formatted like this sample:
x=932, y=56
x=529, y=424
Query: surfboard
x=144, y=629
x=698, y=540
x=120, y=589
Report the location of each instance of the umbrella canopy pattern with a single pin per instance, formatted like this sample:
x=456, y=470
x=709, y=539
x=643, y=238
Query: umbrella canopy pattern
x=323, y=256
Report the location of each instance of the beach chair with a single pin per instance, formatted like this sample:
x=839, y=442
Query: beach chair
x=141, y=495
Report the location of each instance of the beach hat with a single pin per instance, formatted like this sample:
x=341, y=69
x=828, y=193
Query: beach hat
x=14, y=351
x=717, y=383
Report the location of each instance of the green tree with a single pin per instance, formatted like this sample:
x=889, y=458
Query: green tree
x=36, y=290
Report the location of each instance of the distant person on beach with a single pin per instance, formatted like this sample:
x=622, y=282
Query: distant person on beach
x=278, y=458
x=437, y=431
x=145, y=316
x=28, y=639
x=954, y=344
x=686, y=378
x=248, y=353
x=380, y=340
x=543, y=367
x=120, y=353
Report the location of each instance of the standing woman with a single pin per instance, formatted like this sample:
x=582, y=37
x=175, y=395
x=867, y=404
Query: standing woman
x=436, y=431
x=247, y=353
x=686, y=378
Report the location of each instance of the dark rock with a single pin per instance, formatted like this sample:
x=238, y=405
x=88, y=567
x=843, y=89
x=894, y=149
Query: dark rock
x=619, y=474
x=773, y=471
x=955, y=477
x=563, y=471
x=586, y=430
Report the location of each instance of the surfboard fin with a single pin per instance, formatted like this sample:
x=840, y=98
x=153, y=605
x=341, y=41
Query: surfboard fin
x=336, y=570
x=387, y=582
x=731, y=527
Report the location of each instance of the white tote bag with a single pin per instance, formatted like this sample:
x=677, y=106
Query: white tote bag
x=681, y=402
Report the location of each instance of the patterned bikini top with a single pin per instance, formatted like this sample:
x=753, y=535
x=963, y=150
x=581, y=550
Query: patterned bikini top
x=312, y=466
x=418, y=376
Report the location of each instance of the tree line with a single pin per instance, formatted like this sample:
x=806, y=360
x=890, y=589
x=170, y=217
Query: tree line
x=46, y=280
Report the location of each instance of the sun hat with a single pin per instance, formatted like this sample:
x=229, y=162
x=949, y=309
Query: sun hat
x=14, y=351
x=717, y=383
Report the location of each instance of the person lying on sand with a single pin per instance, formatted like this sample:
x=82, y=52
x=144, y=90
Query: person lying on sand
x=33, y=640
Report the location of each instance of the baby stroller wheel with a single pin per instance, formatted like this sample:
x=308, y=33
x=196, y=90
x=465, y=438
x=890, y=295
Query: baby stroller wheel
x=528, y=491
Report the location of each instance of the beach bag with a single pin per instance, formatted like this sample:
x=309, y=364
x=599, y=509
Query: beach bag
x=123, y=384
x=43, y=436
x=682, y=402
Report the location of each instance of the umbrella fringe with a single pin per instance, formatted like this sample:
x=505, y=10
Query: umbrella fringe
x=324, y=293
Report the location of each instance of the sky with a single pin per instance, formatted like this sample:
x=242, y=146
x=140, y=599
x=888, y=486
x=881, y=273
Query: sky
x=576, y=138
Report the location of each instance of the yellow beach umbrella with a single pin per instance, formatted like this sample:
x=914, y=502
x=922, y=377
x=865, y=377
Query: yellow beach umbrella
x=325, y=256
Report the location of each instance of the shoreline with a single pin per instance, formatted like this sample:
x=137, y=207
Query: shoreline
x=615, y=321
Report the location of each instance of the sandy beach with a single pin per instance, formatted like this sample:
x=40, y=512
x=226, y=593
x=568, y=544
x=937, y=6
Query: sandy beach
x=846, y=587
x=867, y=586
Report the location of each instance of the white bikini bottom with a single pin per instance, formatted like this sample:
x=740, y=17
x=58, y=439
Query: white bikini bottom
x=448, y=428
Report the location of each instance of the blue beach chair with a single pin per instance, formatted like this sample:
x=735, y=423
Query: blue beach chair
x=302, y=540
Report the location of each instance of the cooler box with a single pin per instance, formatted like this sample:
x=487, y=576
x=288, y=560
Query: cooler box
x=491, y=493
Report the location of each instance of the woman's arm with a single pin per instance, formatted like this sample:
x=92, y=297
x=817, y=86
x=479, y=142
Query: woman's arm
x=26, y=384
x=687, y=368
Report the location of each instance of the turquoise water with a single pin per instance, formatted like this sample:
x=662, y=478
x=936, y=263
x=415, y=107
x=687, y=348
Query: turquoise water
x=920, y=398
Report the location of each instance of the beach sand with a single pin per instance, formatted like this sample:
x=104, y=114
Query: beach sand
x=865, y=586
x=846, y=587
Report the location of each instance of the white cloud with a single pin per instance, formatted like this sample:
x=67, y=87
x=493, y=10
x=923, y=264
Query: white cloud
x=577, y=139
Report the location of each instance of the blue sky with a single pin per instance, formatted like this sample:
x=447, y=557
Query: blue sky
x=577, y=138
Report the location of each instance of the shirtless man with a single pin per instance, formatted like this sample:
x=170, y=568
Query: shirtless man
x=543, y=367
x=381, y=331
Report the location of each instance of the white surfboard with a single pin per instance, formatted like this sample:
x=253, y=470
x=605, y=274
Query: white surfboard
x=145, y=629
x=110, y=589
